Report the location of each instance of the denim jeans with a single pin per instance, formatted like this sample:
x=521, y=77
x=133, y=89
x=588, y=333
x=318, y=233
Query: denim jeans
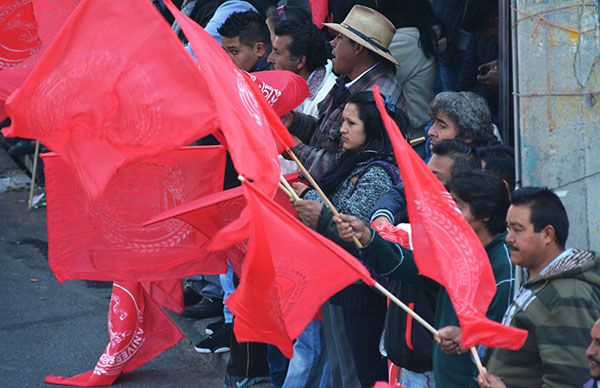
x=228, y=288
x=309, y=367
x=417, y=380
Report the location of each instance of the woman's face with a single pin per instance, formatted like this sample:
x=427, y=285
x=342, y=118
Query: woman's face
x=353, y=129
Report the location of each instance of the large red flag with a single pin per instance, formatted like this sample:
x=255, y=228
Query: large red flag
x=319, y=10
x=289, y=271
x=26, y=29
x=138, y=331
x=244, y=114
x=105, y=239
x=211, y=213
x=115, y=85
x=446, y=248
x=282, y=89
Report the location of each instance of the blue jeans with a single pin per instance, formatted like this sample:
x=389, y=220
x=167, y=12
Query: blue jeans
x=228, y=288
x=309, y=367
x=417, y=380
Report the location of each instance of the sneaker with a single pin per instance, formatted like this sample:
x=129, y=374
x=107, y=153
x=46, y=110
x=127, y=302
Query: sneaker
x=216, y=343
x=215, y=326
x=243, y=382
x=190, y=297
x=206, y=308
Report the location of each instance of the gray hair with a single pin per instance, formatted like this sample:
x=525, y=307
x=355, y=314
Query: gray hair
x=470, y=114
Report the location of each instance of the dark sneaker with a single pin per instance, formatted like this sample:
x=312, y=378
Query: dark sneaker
x=215, y=326
x=243, y=382
x=190, y=297
x=216, y=343
x=206, y=308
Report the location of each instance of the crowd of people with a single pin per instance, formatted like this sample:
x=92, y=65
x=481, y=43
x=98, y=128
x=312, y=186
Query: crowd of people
x=436, y=65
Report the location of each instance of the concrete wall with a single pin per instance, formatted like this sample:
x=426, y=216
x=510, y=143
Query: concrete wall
x=558, y=100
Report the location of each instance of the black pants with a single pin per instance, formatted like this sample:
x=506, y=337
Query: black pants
x=364, y=333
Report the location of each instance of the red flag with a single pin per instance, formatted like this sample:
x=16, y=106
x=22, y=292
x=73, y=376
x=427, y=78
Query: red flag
x=213, y=212
x=26, y=30
x=282, y=89
x=446, y=248
x=166, y=293
x=244, y=115
x=105, y=239
x=318, y=9
x=138, y=331
x=394, y=234
x=112, y=88
x=289, y=271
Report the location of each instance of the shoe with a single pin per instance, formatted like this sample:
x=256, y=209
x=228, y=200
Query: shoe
x=219, y=342
x=243, y=382
x=190, y=297
x=206, y=308
x=215, y=326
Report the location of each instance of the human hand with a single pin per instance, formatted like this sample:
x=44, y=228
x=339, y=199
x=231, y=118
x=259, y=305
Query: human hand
x=299, y=187
x=350, y=227
x=308, y=212
x=488, y=74
x=448, y=339
x=488, y=380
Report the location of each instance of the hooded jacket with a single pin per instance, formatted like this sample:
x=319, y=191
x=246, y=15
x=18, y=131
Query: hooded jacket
x=557, y=308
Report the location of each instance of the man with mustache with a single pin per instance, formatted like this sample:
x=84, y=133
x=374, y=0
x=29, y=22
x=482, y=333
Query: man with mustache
x=593, y=355
x=558, y=302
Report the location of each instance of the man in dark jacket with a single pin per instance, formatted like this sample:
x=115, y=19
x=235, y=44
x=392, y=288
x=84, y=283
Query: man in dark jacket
x=560, y=300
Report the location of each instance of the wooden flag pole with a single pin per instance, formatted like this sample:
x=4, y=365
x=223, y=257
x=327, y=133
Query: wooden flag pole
x=318, y=189
x=378, y=286
x=289, y=188
x=33, y=173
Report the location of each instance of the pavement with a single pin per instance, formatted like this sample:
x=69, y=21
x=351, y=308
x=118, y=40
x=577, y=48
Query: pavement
x=47, y=328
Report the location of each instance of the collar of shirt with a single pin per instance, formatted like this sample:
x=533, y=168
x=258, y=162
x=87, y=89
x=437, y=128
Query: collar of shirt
x=360, y=76
x=567, y=252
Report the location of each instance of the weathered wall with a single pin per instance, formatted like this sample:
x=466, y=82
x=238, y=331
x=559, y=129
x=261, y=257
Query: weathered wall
x=558, y=95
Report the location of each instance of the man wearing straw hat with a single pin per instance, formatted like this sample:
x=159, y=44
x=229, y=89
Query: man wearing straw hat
x=362, y=59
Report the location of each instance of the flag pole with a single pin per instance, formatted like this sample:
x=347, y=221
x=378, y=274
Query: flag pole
x=318, y=189
x=292, y=194
x=33, y=173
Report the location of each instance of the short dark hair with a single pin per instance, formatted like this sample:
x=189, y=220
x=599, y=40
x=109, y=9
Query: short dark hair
x=377, y=137
x=462, y=154
x=287, y=12
x=306, y=41
x=499, y=160
x=248, y=27
x=486, y=196
x=546, y=209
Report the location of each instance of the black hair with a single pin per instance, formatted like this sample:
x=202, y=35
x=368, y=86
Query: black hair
x=463, y=155
x=414, y=13
x=480, y=15
x=306, y=40
x=377, y=137
x=499, y=160
x=546, y=209
x=486, y=196
x=248, y=27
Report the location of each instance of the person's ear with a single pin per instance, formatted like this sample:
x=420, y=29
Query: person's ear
x=301, y=62
x=260, y=49
x=358, y=48
x=548, y=234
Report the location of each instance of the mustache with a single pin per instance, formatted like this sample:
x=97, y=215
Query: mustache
x=591, y=358
x=512, y=247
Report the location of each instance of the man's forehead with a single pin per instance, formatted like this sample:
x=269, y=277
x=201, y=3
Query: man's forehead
x=519, y=214
x=230, y=42
x=596, y=329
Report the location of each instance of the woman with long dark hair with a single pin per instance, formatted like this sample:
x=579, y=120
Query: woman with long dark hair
x=364, y=173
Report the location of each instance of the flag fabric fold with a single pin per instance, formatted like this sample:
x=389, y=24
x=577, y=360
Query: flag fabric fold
x=138, y=331
x=282, y=89
x=289, y=271
x=446, y=249
x=105, y=239
x=26, y=30
x=114, y=88
x=319, y=11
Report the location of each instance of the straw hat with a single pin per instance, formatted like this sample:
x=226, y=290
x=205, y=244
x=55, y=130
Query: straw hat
x=368, y=28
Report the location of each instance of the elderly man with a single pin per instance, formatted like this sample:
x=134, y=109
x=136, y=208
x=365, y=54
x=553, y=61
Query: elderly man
x=362, y=59
x=558, y=302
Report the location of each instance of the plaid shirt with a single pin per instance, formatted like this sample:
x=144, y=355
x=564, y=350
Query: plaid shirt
x=321, y=139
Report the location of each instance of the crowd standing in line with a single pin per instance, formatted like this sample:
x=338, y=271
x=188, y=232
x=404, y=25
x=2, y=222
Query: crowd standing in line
x=436, y=65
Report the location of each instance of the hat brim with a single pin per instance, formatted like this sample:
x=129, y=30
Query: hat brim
x=344, y=31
